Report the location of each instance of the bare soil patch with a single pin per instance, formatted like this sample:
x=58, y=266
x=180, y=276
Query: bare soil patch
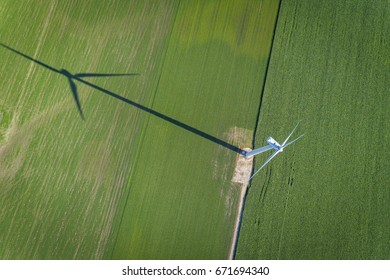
x=243, y=169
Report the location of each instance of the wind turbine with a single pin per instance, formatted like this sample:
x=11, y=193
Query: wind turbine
x=272, y=144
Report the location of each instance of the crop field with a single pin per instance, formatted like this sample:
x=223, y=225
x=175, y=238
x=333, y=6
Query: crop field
x=62, y=178
x=120, y=123
x=328, y=196
x=202, y=84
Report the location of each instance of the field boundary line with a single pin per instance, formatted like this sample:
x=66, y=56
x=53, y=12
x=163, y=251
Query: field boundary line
x=265, y=75
x=240, y=212
x=234, y=245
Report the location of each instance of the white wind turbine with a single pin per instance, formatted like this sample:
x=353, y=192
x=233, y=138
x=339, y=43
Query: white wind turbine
x=272, y=144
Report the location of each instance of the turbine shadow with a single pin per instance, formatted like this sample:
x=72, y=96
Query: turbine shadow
x=78, y=77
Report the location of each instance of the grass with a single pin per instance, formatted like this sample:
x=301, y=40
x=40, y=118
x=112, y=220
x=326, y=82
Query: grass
x=61, y=178
x=124, y=183
x=181, y=202
x=327, y=196
x=5, y=123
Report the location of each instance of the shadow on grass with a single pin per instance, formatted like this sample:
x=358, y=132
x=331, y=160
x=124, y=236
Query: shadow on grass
x=79, y=77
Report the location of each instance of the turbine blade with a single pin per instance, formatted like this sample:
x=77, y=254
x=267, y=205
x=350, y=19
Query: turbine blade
x=88, y=75
x=265, y=163
x=285, y=141
x=293, y=140
x=258, y=151
x=73, y=87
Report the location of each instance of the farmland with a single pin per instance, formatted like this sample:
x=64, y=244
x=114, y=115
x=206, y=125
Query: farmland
x=327, y=197
x=121, y=123
x=62, y=178
x=206, y=68
x=147, y=172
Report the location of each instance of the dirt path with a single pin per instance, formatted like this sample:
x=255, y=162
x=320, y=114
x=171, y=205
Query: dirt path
x=241, y=176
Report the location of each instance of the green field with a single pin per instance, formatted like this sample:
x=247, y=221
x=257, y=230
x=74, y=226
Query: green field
x=62, y=178
x=326, y=197
x=186, y=205
x=147, y=174
x=126, y=182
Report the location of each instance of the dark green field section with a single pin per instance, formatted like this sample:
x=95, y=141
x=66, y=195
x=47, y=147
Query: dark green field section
x=327, y=196
x=99, y=166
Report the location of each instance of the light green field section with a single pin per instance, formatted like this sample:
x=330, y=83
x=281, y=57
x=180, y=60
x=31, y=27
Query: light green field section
x=327, y=196
x=182, y=203
x=62, y=178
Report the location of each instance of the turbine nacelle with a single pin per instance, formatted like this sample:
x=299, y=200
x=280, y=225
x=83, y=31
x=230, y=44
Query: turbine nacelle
x=272, y=144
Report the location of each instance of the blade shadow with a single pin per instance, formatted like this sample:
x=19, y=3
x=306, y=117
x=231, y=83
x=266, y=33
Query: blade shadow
x=73, y=88
x=88, y=75
x=78, y=77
